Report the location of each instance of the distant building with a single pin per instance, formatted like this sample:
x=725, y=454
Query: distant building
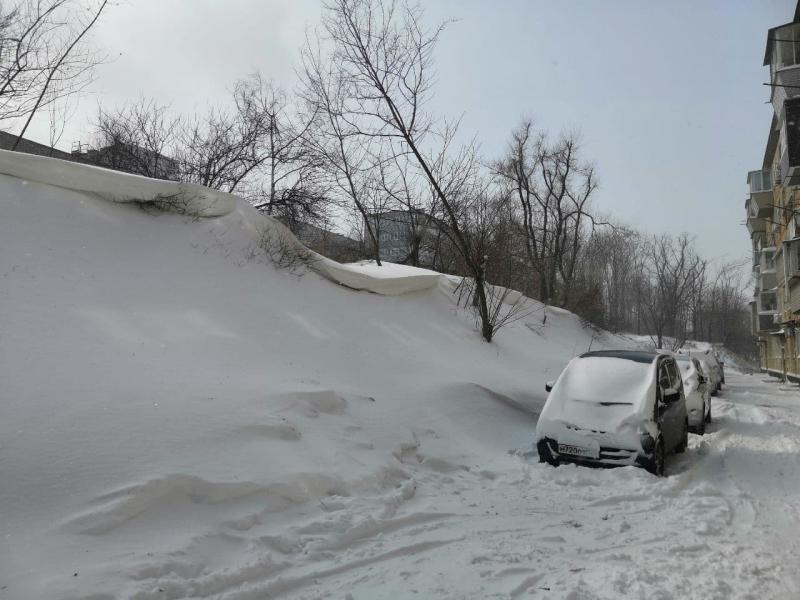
x=329, y=243
x=404, y=237
x=7, y=141
x=119, y=156
x=129, y=158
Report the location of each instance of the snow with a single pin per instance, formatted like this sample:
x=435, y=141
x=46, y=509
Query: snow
x=115, y=186
x=577, y=400
x=197, y=201
x=388, y=279
x=180, y=419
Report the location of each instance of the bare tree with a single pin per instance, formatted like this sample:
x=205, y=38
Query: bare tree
x=400, y=181
x=673, y=268
x=346, y=158
x=43, y=55
x=553, y=188
x=719, y=318
x=218, y=149
x=383, y=56
x=614, y=261
x=60, y=109
x=282, y=180
x=139, y=138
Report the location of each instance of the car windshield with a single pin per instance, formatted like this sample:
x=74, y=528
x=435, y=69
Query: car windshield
x=605, y=381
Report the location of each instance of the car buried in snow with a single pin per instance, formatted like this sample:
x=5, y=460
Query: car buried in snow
x=696, y=390
x=712, y=367
x=614, y=408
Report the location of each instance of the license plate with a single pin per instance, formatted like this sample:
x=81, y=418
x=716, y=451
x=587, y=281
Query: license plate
x=575, y=450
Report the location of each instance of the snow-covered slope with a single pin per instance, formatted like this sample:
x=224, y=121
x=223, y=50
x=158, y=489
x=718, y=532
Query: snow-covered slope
x=172, y=404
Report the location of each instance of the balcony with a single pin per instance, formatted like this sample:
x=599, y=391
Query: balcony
x=768, y=302
x=757, y=281
x=767, y=277
x=788, y=165
x=760, y=202
x=783, y=57
x=764, y=308
x=767, y=281
x=755, y=225
x=791, y=254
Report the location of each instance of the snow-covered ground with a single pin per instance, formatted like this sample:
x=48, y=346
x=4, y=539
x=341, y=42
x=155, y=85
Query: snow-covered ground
x=180, y=419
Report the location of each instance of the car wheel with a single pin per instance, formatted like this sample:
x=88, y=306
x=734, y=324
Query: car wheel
x=701, y=429
x=656, y=466
x=684, y=443
x=545, y=455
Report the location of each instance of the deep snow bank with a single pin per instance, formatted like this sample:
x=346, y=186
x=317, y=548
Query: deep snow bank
x=198, y=201
x=175, y=412
x=114, y=186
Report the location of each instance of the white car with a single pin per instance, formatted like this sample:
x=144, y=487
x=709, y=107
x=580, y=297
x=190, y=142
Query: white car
x=712, y=370
x=696, y=391
x=614, y=408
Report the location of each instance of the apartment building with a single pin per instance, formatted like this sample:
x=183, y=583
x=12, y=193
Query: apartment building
x=773, y=212
x=405, y=236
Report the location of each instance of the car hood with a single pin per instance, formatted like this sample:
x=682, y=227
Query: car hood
x=599, y=394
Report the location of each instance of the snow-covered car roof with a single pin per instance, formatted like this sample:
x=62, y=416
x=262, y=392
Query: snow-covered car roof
x=634, y=355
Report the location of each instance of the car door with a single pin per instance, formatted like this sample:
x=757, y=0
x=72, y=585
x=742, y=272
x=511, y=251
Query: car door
x=662, y=406
x=671, y=417
x=701, y=377
x=677, y=409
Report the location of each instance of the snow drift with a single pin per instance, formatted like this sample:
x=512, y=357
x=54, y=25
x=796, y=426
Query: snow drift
x=181, y=419
x=166, y=389
x=197, y=201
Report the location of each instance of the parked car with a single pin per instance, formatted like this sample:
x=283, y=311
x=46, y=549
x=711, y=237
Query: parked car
x=615, y=408
x=696, y=391
x=712, y=369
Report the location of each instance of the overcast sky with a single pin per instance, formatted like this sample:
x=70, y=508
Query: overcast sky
x=667, y=94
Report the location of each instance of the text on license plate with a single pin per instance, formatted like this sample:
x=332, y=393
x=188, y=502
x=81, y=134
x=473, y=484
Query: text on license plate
x=574, y=450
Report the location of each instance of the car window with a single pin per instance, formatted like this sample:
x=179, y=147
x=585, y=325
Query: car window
x=663, y=377
x=699, y=368
x=674, y=375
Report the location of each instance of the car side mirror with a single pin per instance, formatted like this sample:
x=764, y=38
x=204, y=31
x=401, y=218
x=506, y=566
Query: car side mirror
x=549, y=386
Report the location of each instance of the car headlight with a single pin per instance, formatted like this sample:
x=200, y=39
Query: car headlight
x=647, y=441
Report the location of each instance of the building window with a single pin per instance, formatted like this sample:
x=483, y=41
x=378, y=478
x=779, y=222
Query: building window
x=787, y=46
x=769, y=261
x=796, y=256
x=760, y=181
x=768, y=302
